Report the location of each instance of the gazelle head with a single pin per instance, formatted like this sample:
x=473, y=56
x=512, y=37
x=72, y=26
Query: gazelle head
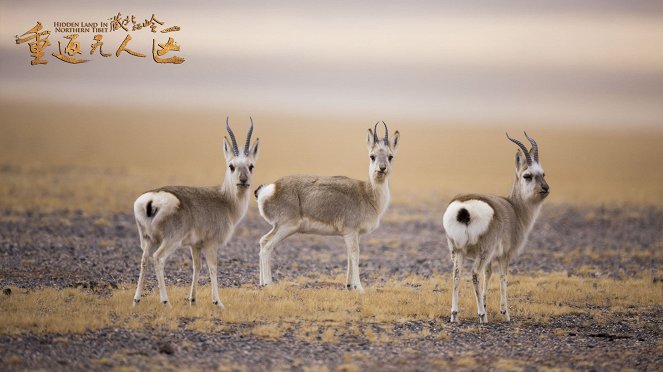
x=240, y=163
x=530, y=181
x=381, y=152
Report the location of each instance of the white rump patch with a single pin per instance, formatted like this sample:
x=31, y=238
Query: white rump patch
x=463, y=235
x=264, y=194
x=164, y=202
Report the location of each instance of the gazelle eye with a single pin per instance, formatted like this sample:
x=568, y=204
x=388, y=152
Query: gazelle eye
x=372, y=157
x=391, y=157
x=528, y=177
x=232, y=167
x=251, y=168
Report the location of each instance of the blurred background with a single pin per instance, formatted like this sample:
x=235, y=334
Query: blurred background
x=585, y=78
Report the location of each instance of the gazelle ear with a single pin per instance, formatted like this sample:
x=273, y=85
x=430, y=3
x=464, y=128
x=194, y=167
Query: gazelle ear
x=227, y=149
x=521, y=161
x=395, y=141
x=254, y=150
x=370, y=140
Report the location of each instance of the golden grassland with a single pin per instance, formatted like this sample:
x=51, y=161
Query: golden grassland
x=325, y=313
x=101, y=158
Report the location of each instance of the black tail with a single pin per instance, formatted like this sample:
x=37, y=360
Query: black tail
x=149, y=211
x=256, y=192
x=463, y=216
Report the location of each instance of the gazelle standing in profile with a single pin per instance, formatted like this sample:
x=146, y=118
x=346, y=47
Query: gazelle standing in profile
x=201, y=218
x=329, y=206
x=494, y=228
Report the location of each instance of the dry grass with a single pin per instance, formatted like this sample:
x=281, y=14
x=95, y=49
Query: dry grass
x=326, y=314
x=102, y=157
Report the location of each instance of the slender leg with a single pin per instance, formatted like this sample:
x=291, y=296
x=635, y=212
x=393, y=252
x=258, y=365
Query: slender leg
x=348, y=277
x=159, y=258
x=146, y=245
x=211, y=258
x=263, y=241
x=504, y=307
x=195, y=258
x=478, y=268
x=457, y=258
x=486, y=280
x=352, y=243
x=267, y=245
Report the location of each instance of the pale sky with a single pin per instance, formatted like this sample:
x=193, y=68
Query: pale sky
x=597, y=62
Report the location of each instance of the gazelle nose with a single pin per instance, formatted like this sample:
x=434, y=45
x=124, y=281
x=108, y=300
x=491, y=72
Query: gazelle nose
x=545, y=187
x=383, y=167
x=243, y=179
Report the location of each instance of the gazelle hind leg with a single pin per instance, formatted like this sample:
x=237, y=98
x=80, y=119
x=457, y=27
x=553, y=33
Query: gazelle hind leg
x=267, y=245
x=478, y=268
x=486, y=281
x=159, y=257
x=504, y=307
x=146, y=244
x=267, y=237
x=457, y=259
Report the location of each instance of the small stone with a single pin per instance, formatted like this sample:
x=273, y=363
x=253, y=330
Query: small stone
x=7, y=291
x=166, y=348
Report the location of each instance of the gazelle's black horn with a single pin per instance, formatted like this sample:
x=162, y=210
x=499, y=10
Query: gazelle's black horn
x=232, y=138
x=535, y=147
x=522, y=147
x=375, y=133
x=386, y=134
x=248, y=138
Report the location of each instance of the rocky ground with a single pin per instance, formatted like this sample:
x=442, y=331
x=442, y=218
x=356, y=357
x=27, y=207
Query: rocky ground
x=71, y=249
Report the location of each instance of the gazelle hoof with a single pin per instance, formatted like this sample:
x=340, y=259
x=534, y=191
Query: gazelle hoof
x=219, y=304
x=483, y=318
x=454, y=317
x=136, y=301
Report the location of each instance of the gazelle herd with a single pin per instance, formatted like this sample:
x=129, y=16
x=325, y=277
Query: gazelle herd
x=486, y=228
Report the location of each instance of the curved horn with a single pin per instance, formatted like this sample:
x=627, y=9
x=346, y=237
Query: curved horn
x=535, y=147
x=375, y=133
x=522, y=147
x=386, y=134
x=248, y=138
x=232, y=138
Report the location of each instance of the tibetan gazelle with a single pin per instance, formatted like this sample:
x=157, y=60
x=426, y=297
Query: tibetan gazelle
x=494, y=228
x=329, y=206
x=201, y=218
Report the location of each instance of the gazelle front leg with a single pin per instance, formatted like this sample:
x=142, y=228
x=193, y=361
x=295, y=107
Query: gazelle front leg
x=348, y=277
x=195, y=258
x=146, y=244
x=457, y=258
x=352, y=244
x=211, y=258
x=504, y=307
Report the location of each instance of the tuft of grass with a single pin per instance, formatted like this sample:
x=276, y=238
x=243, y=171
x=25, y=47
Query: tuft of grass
x=509, y=365
x=269, y=331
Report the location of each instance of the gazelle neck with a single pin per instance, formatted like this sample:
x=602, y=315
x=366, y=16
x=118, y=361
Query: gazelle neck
x=239, y=196
x=380, y=193
x=526, y=210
